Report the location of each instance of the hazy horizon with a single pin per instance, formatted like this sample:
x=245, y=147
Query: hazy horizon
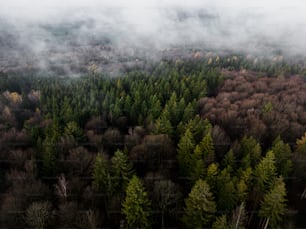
x=38, y=28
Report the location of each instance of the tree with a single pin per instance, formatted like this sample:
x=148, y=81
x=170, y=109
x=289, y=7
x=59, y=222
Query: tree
x=184, y=153
x=265, y=171
x=205, y=150
x=38, y=214
x=136, y=206
x=73, y=129
x=229, y=160
x=163, y=125
x=200, y=206
x=166, y=195
x=221, y=223
x=122, y=171
x=282, y=153
x=49, y=156
x=102, y=180
x=273, y=206
x=249, y=147
x=227, y=196
x=101, y=176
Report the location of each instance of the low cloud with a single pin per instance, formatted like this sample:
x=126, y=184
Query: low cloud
x=38, y=27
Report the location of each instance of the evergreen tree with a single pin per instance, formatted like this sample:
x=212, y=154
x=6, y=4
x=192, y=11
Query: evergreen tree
x=122, y=170
x=200, y=206
x=221, y=223
x=250, y=151
x=101, y=176
x=163, y=125
x=184, y=153
x=205, y=150
x=265, y=171
x=273, y=206
x=73, y=129
x=282, y=153
x=136, y=206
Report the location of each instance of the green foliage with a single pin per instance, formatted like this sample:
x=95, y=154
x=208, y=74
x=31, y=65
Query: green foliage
x=244, y=184
x=212, y=176
x=124, y=111
x=184, y=153
x=101, y=175
x=213, y=80
x=282, y=153
x=200, y=206
x=229, y=160
x=268, y=107
x=221, y=223
x=273, y=206
x=205, y=150
x=136, y=206
x=122, y=171
x=199, y=127
x=265, y=171
x=226, y=191
x=73, y=129
x=163, y=125
x=250, y=151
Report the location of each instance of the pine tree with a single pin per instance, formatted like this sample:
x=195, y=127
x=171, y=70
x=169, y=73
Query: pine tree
x=163, y=125
x=273, y=206
x=136, y=206
x=265, y=171
x=227, y=196
x=221, y=223
x=282, y=153
x=184, y=155
x=212, y=176
x=200, y=206
x=249, y=147
x=73, y=129
x=101, y=176
x=229, y=160
x=205, y=150
x=122, y=170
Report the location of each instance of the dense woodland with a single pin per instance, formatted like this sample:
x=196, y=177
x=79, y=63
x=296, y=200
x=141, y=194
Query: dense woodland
x=215, y=142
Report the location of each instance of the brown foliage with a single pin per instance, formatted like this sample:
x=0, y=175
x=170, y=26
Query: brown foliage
x=243, y=103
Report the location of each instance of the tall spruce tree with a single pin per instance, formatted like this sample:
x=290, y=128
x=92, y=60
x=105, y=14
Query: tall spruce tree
x=136, y=206
x=200, y=206
x=273, y=206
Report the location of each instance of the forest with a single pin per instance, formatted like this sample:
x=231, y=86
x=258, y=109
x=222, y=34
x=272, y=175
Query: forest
x=203, y=142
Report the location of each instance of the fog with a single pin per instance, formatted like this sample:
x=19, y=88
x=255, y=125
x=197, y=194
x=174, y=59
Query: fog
x=42, y=32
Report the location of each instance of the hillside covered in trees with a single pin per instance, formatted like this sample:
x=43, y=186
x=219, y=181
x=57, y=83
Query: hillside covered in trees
x=203, y=142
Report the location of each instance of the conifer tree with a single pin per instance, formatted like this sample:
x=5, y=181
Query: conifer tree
x=205, y=150
x=200, y=206
x=282, y=153
x=184, y=155
x=273, y=206
x=101, y=176
x=122, y=170
x=221, y=223
x=265, y=171
x=136, y=206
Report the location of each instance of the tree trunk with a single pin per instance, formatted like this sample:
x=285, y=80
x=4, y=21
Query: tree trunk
x=267, y=223
x=239, y=215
